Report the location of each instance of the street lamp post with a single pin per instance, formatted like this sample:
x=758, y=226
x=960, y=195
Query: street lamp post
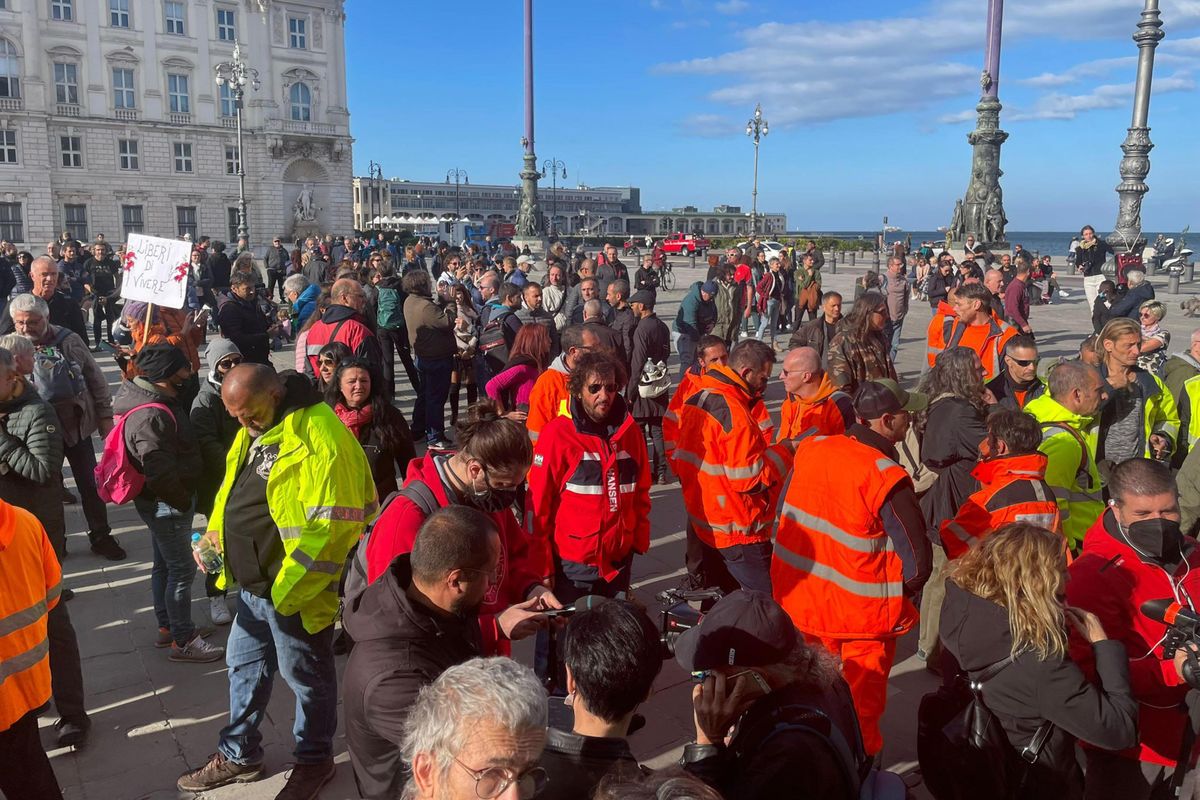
x=552, y=166
x=376, y=172
x=529, y=216
x=1135, y=166
x=237, y=75
x=756, y=128
x=457, y=175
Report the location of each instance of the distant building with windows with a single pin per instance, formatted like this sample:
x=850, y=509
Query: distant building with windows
x=111, y=120
x=608, y=210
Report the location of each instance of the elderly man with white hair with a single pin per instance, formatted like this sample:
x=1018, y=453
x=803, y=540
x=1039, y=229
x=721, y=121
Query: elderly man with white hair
x=477, y=732
x=1139, y=291
x=46, y=277
x=68, y=378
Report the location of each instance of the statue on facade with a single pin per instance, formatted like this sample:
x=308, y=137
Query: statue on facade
x=956, y=221
x=304, y=210
x=994, y=219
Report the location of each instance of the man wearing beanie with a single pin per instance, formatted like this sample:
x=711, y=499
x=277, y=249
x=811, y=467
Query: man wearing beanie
x=159, y=439
x=697, y=316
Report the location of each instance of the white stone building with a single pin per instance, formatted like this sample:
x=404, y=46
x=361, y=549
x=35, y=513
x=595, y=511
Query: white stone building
x=111, y=121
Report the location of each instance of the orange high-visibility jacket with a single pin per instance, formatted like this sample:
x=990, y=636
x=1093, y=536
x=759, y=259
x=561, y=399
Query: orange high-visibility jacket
x=729, y=471
x=548, y=399
x=689, y=384
x=1014, y=490
x=829, y=412
x=30, y=582
x=986, y=339
x=835, y=569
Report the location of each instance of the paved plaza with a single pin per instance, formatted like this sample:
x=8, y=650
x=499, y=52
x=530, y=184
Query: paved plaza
x=154, y=719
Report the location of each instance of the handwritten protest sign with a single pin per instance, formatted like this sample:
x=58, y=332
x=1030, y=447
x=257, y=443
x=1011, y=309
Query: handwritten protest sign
x=155, y=270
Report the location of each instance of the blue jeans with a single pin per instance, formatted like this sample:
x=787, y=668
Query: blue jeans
x=749, y=565
x=897, y=325
x=435, y=388
x=769, y=321
x=686, y=346
x=261, y=643
x=173, y=571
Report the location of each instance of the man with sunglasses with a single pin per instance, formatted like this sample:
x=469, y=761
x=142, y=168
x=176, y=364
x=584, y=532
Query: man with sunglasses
x=1019, y=382
x=589, y=486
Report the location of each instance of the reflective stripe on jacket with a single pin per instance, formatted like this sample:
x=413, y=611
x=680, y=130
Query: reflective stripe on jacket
x=1071, y=468
x=321, y=496
x=547, y=398
x=835, y=570
x=1014, y=490
x=30, y=582
x=729, y=473
x=987, y=340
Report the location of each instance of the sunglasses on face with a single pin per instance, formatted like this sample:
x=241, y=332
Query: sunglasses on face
x=326, y=361
x=228, y=363
x=1024, y=362
x=594, y=388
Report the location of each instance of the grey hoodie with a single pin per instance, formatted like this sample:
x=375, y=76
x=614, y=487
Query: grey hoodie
x=214, y=427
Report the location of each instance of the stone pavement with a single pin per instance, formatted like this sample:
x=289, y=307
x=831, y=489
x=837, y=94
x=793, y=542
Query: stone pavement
x=154, y=719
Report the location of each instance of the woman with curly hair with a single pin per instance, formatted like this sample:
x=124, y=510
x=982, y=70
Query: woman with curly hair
x=1005, y=605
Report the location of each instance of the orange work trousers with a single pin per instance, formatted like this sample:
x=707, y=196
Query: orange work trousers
x=866, y=664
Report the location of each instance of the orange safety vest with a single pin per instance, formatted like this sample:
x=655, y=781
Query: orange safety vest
x=548, y=399
x=834, y=569
x=689, y=384
x=1014, y=490
x=828, y=413
x=986, y=339
x=30, y=582
x=729, y=471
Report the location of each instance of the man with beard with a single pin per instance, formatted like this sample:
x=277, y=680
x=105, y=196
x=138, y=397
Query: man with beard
x=419, y=618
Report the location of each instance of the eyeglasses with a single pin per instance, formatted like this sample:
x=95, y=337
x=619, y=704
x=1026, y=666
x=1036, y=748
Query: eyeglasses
x=492, y=781
x=229, y=363
x=326, y=360
x=594, y=388
x=1023, y=362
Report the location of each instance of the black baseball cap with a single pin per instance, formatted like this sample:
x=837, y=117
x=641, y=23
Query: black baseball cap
x=745, y=629
x=643, y=296
x=884, y=396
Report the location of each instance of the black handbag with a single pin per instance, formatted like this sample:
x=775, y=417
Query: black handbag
x=962, y=748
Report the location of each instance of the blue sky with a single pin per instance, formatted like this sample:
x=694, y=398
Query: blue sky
x=869, y=102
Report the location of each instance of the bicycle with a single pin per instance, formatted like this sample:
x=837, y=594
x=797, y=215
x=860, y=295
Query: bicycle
x=667, y=278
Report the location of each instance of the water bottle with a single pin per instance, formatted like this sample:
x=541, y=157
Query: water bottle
x=210, y=556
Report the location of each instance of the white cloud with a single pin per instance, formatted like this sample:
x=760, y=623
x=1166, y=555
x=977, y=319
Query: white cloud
x=817, y=71
x=1112, y=95
x=957, y=117
x=732, y=7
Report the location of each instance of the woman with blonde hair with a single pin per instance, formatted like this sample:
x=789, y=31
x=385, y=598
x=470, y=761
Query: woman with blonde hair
x=1004, y=606
x=1139, y=419
x=1155, y=338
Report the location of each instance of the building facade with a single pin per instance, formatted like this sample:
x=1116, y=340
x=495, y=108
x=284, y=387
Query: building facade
x=111, y=120
x=591, y=210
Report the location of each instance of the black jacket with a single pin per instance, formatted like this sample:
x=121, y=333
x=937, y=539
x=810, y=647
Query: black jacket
x=1091, y=260
x=220, y=267
x=610, y=339
x=31, y=457
x=815, y=334
x=400, y=646
x=576, y=764
x=278, y=259
x=651, y=342
x=646, y=280
x=1030, y=691
x=64, y=312
x=791, y=763
x=950, y=447
x=244, y=323
x=165, y=450
x=939, y=286
x=214, y=428
x=624, y=322
x=1129, y=304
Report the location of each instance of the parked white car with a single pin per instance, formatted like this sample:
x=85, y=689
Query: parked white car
x=772, y=249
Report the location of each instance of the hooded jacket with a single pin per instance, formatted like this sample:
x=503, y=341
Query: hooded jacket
x=589, y=488
x=1071, y=468
x=1030, y=691
x=214, y=427
x=954, y=430
x=163, y=449
x=1112, y=580
x=522, y=562
x=352, y=331
x=244, y=322
x=829, y=411
x=651, y=344
x=1013, y=489
x=306, y=304
x=400, y=646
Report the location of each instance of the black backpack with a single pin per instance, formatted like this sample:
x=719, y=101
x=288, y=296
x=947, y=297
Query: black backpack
x=962, y=748
x=416, y=491
x=492, y=342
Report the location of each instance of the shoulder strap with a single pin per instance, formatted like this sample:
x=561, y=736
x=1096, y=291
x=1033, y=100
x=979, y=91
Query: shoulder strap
x=987, y=673
x=419, y=493
x=1082, y=475
x=61, y=336
x=162, y=406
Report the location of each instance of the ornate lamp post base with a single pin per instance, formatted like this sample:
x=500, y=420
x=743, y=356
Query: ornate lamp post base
x=981, y=212
x=530, y=225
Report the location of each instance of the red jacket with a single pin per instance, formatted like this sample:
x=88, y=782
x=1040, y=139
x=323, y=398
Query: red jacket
x=1110, y=580
x=589, y=490
x=351, y=330
x=522, y=563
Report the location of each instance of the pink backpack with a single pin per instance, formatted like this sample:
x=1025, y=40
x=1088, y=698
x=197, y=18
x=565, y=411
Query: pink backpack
x=117, y=478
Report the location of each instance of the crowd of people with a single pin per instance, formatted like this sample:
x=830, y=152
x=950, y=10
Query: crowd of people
x=1015, y=518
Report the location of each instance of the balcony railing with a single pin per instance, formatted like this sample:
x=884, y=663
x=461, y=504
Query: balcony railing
x=229, y=122
x=177, y=118
x=126, y=113
x=68, y=109
x=292, y=126
x=11, y=104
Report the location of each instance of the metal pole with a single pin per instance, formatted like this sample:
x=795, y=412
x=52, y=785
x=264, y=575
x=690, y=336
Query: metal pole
x=1135, y=166
x=528, y=76
x=754, y=193
x=243, y=223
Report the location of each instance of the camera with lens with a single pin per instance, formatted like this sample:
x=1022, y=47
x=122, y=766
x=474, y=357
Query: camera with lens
x=679, y=615
x=1183, y=627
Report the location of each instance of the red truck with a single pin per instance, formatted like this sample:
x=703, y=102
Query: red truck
x=685, y=243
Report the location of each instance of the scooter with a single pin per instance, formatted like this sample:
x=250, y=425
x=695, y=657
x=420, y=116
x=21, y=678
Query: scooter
x=1166, y=254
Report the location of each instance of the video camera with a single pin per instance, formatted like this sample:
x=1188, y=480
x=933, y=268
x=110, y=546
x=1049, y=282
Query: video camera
x=1183, y=626
x=678, y=615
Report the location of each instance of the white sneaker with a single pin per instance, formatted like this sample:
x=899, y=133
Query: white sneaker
x=219, y=611
x=1063, y=293
x=196, y=651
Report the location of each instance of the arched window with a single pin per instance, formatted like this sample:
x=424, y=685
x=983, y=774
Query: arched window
x=301, y=101
x=10, y=70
